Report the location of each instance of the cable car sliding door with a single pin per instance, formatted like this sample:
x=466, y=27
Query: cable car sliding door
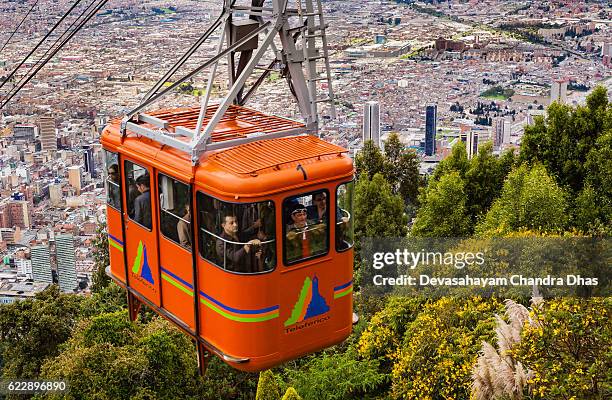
x=140, y=221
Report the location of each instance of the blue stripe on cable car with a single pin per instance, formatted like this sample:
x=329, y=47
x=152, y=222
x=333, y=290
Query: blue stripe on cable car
x=115, y=239
x=349, y=283
x=237, y=311
x=190, y=286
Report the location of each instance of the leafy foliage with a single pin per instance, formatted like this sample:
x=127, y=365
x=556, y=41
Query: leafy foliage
x=267, y=387
x=385, y=330
x=378, y=213
x=563, y=141
x=101, y=258
x=444, y=211
x=32, y=330
x=567, y=347
x=110, y=357
x=440, y=347
x=399, y=167
x=530, y=199
x=291, y=394
x=319, y=377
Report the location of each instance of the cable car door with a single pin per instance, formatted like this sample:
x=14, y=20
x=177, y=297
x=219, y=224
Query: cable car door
x=112, y=182
x=140, y=221
x=307, y=280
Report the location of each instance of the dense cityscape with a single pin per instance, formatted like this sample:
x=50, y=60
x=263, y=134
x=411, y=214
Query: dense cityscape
x=433, y=72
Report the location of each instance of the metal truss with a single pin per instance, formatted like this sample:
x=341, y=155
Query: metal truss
x=301, y=33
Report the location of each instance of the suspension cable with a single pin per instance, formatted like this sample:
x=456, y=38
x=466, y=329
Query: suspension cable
x=19, y=26
x=59, y=38
x=74, y=32
x=76, y=3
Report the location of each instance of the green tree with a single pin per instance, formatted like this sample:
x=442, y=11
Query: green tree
x=443, y=212
x=108, y=357
x=530, y=199
x=564, y=139
x=378, y=213
x=594, y=203
x=369, y=161
x=456, y=161
x=101, y=258
x=401, y=169
x=337, y=376
x=267, y=387
x=484, y=179
x=32, y=330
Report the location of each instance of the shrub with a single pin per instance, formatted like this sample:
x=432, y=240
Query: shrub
x=567, y=348
x=267, y=387
x=441, y=346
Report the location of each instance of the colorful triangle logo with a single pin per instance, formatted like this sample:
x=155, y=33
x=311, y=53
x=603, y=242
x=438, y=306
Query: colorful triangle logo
x=310, y=303
x=141, y=264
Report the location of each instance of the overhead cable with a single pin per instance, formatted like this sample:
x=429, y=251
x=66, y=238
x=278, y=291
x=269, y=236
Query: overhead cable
x=93, y=12
x=76, y=3
x=58, y=40
x=19, y=26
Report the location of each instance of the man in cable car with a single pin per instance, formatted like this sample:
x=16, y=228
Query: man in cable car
x=234, y=255
x=305, y=238
x=142, y=204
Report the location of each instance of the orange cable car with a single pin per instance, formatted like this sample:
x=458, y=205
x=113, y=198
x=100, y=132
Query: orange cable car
x=236, y=225
x=249, y=252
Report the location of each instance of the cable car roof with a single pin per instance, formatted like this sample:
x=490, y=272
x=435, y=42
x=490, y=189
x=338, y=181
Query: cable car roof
x=241, y=169
x=237, y=122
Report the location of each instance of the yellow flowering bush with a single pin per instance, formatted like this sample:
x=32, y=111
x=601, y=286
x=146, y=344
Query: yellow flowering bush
x=386, y=328
x=567, y=346
x=441, y=346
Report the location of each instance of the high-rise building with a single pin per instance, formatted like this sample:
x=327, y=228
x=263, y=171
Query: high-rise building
x=471, y=144
x=431, y=123
x=24, y=267
x=48, y=138
x=501, y=135
x=371, y=122
x=558, y=91
x=55, y=194
x=74, y=177
x=25, y=133
x=89, y=162
x=15, y=213
x=66, y=263
x=41, y=264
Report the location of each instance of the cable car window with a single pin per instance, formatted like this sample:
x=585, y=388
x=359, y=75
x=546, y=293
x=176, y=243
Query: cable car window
x=174, y=210
x=306, y=226
x=112, y=179
x=138, y=184
x=345, y=230
x=237, y=237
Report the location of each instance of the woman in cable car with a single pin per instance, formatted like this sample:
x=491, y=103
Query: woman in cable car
x=249, y=251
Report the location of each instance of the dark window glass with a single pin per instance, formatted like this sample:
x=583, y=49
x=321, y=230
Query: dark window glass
x=345, y=230
x=174, y=210
x=138, y=184
x=237, y=237
x=306, y=224
x=112, y=179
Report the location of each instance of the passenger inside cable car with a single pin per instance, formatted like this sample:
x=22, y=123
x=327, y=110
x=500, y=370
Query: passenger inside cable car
x=237, y=237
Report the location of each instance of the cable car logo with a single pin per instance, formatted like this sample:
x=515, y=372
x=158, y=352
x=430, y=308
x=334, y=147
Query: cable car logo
x=141, y=264
x=310, y=304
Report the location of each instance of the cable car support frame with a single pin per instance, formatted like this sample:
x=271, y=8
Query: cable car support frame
x=298, y=30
